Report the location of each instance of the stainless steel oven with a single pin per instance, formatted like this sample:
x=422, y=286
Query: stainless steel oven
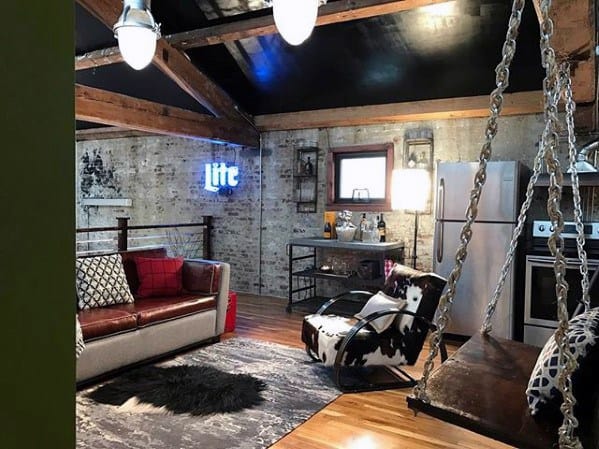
x=540, y=302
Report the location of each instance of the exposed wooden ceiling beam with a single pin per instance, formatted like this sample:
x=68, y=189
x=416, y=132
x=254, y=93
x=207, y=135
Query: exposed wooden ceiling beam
x=174, y=63
x=574, y=39
x=109, y=108
x=464, y=107
x=333, y=12
x=108, y=132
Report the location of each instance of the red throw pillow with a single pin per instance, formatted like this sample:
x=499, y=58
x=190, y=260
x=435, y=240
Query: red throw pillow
x=159, y=277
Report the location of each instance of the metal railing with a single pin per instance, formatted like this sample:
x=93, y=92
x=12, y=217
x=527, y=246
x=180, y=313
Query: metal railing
x=172, y=239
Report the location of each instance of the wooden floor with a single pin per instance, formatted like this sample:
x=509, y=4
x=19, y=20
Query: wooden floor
x=374, y=420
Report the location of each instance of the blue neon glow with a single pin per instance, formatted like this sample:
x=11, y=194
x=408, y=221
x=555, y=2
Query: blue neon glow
x=218, y=175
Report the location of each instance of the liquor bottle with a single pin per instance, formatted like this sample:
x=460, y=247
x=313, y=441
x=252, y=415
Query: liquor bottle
x=363, y=227
x=381, y=226
x=327, y=230
x=309, y=167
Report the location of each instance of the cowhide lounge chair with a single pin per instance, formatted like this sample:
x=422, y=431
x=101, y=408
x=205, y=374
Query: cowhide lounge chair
x=410, y=299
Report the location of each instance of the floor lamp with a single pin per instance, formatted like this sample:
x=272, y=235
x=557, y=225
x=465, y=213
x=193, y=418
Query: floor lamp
x=411, y=191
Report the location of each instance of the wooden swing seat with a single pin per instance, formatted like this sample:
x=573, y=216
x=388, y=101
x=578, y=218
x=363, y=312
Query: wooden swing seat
x=482, y=388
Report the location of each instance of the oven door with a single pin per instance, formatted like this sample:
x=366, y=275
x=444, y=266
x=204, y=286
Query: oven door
x=540, y=301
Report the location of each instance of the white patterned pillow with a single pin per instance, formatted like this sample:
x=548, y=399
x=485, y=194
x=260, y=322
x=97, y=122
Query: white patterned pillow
x=379, y=303
x=101, y=281
x=79, y=343
x=583, y=337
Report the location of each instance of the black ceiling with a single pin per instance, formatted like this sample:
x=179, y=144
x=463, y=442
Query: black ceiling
x=443, y=51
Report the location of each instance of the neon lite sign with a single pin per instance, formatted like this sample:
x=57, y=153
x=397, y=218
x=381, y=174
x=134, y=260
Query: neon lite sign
x=220, y=176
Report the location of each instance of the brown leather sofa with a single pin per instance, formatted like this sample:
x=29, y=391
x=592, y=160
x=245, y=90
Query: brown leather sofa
x=119, y=335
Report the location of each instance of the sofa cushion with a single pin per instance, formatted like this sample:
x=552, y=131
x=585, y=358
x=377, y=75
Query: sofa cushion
x=103, y=321
x=159, y=276
x=201, y=276
x=131, y=268
x=101, y=281
x=155, y=310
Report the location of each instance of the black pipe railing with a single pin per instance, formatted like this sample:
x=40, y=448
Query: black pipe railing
x=123, y=229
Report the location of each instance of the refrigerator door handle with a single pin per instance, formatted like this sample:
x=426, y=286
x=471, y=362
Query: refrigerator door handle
x=439, y=234
x=439, y=216
x=440, y=212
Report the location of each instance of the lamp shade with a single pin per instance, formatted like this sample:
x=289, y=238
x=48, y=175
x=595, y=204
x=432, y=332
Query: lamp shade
x=295, y=19
x=411, y=189
x=137, y=45
x=137, y=33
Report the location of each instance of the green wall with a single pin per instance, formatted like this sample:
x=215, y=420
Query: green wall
x=37, y=204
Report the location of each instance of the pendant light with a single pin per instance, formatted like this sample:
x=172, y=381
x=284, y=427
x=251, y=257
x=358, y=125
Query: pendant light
x=295, y=19
x=137, y=33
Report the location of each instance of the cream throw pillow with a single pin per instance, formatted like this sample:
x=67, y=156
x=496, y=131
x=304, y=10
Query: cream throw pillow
x=378, y=303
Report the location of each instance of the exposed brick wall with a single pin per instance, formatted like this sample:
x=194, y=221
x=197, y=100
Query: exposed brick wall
x=164, y=175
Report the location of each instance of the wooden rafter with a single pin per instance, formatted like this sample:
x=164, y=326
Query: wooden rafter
x=464, y=107
x=574, y=39
x=109, y=108
x=108, y=132
x=174, y=63
x=333, y=12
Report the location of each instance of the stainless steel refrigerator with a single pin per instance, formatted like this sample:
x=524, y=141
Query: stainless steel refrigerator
x=497, y=213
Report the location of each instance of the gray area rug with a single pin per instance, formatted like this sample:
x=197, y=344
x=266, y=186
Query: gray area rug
x=296, y=389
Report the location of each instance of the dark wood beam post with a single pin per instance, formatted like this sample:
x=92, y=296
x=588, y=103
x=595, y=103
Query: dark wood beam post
x=123, y=233
x=207, y=237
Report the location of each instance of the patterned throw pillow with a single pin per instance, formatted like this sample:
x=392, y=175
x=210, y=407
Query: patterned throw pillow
x=101, y=281
x=79, y=343
x=378, y=303
x=159, y=276
x=583, y=337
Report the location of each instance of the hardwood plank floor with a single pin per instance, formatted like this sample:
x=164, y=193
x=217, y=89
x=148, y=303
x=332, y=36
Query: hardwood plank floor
x=373, y=420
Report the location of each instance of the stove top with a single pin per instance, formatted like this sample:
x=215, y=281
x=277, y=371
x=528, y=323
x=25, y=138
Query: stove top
x=541, y=230
x=544, y=229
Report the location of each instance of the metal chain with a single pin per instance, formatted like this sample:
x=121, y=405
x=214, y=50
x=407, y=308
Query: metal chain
x=496, y=102
x=567, y=438
x=487, y=327
x=566, y=82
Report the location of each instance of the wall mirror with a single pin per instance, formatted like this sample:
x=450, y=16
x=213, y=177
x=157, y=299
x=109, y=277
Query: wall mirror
x=360, y=175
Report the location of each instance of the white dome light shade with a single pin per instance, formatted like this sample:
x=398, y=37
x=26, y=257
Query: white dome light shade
x=295, y=19
x=137, y=32
x=137, y=45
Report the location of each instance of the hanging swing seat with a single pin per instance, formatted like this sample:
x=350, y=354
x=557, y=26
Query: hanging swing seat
x=482, y=388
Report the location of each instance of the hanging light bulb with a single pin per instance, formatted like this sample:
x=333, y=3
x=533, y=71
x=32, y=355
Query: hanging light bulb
x=137, y=33
x=295, y=19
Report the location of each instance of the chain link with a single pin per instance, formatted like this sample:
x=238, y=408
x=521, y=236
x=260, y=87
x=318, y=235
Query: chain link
x=496, y=102
x=486, y=328
x=566, y=82
x=567, y=362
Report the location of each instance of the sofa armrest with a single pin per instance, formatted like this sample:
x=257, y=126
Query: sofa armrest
x=209, y=277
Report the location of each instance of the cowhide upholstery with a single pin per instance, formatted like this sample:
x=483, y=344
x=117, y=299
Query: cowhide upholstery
x=400, y=344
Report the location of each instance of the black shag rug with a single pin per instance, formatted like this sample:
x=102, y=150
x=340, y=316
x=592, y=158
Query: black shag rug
x=296, y=388
x=193, y=389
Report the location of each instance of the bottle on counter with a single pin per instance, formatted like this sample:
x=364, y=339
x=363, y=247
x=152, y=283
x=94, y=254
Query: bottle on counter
x=327, y=230
x=382, y=227
x=363, y=227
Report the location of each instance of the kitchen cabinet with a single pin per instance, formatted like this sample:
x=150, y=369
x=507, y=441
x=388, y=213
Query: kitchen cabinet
x=304, y=266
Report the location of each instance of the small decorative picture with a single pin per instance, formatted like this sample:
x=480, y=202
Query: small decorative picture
x=418, y=153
